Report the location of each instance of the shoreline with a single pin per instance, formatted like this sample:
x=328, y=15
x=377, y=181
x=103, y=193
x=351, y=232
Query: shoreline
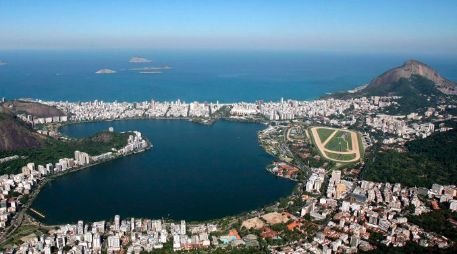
x=31, y=197
x=235, y=120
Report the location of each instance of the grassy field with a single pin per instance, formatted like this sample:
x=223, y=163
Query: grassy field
x=341, y=142
x=337, y=156
x=324, y=133
x=338, y=145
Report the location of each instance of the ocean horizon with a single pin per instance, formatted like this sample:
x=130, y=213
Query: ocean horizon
x=194, y=75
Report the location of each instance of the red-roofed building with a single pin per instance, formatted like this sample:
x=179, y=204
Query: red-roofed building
x=234, y=233
x=293, y=225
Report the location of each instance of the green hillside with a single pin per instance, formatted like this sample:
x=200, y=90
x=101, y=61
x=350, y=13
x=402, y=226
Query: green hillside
x=52, y=150
x=426, y=161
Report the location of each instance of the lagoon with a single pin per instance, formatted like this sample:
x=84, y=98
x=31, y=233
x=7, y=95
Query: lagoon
x=193, y=172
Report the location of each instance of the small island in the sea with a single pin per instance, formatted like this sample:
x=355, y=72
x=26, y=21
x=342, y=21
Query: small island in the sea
x=2, y=62
x=137, y=59
x=105, y=71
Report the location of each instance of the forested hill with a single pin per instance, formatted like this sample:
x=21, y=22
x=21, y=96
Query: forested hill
x=51, y=150
x=426, y=161
x=417, y=94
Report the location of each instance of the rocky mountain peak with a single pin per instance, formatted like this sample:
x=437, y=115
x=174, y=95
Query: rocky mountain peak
x=414, y=67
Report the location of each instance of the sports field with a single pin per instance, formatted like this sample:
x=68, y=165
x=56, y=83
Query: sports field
x=340, y=142
x=337, y=144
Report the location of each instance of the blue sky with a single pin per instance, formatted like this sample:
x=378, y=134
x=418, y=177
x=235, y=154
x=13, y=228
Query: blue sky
x=427, y=27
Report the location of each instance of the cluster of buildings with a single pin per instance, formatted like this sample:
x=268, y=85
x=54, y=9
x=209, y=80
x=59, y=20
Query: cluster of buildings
x=99, y=110
x=365, y=208
x=33, y=120
x=337, y=188
x=315, y=181
x=135, y=142
x=321, y=109
x=273, y=111
x=398, y=129
x=133, y=235
x=400, y=126
x=12, y=187
x=285, y=170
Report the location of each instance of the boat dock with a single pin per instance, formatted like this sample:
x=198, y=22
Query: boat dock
x=37, y=213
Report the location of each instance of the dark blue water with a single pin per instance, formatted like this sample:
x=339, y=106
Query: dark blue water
x=205, y=75
x=193, y=172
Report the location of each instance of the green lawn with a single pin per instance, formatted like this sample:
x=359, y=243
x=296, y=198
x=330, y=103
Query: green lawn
x=324, y=133
x=341, y=142
x=343, y=157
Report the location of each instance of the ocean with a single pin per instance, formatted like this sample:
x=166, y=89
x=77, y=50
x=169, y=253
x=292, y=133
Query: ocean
x=195, y=75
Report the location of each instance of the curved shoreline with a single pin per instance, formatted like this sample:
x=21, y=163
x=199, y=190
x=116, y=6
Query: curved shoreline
x=19, y=216
x=58, y=126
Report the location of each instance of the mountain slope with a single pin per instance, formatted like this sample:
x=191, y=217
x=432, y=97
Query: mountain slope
x=32, y=108
x=418, y=85
x=386, y=82
x=14, y=135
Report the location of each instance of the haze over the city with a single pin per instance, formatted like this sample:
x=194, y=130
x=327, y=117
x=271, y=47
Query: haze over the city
x=349, y=26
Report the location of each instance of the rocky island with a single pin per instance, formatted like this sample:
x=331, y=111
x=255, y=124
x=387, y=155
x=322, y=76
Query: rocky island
x=105, y=71
x=137, y=59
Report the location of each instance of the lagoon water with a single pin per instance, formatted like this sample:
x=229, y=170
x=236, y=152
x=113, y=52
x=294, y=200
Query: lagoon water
x=193, y=172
